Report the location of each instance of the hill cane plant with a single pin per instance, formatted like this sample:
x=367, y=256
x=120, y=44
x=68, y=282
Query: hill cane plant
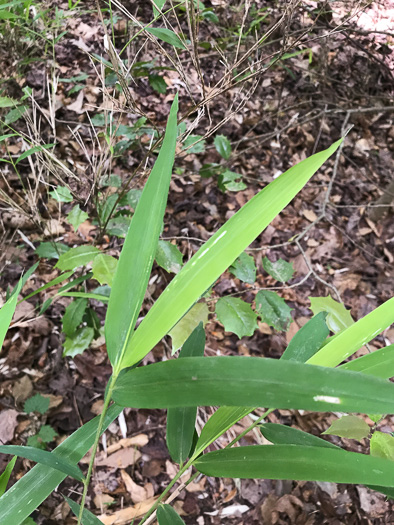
x=304, y=378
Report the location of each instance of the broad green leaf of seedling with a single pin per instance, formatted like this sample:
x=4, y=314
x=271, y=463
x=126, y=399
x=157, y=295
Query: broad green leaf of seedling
x=280, y=270
x=350, y=427
x=236, y=316
x=338, y=317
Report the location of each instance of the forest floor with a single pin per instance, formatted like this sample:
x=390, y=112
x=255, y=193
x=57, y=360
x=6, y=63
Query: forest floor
x=335, y=73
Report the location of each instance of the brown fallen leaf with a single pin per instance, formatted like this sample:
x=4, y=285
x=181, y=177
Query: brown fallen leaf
x=123, y=458
x=310, y=215
x=137, y=492
x=103, y=499
x=76, y=106
x=136, y=441
x=124, y=516
x=22, y=389
x=8, y=423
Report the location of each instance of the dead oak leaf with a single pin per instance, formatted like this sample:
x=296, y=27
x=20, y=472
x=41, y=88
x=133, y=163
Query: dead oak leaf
x=123, y=458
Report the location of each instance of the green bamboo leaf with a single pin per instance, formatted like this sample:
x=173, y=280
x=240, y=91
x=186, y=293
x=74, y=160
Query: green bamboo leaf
x=87, y=517
x=273, y=310
x=36, y=149
x=350, y=340
x=236, y=316
x=295, y=462
x=284, y=435
x=218, y=253
x=350, y=427
x=379, y=363
x=34, y=487
x=251, y=382
x=223, y=419
x=76, y=257
x=338, y=318
x=53, y=282
x=166, y=515
x=26, y=276
x=307, y=340
x=49, y=459
x=166, y=35
x=135, y=263
x=86, y=295
x=301, y=347
x=7, y=312
x=181, y=421
x=244, y=268
x=5, y=476
x=280, y=270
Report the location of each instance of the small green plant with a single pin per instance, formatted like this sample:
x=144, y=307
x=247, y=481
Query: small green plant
x=306, y=377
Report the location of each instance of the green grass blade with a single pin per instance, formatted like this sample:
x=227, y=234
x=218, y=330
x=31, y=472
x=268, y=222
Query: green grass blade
x=223, y=419
x=30, y=491
x=49, y=459
x=85, y=295
x=5, y=476
x=379, y=363
x=138, y=253
x=297, y=463
x=284, y=435
x=7, y=312
x=87, y=517
x=353, y=338
x=251, y=382
x=307, y=340
x=166, y=515
x=181, y=421
x=216, y=255
x=57, y=280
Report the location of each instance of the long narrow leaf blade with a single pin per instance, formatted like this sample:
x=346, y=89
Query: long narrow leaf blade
x=7, y=312
x=304, y=344
x=251, y=382
x=181, y=421
x=87, y=517
x=138, y=253
x=296, y=462
x=223, y=419
x=57, y=280
x=379, y=363
x=307, y=340
x=30, y=491
x=49, y=459
x=353, y=338
x=166, y=515
x=5, y=476
x=216, y=255
x=284, y=435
